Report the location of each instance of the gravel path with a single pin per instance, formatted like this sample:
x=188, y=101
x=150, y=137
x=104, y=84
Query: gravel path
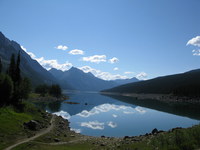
x=36, y=136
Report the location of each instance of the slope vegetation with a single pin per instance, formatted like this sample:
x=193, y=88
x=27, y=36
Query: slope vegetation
x=184, y=84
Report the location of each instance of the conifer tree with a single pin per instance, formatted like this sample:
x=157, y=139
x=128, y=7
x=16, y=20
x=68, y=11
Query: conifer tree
x=0, y=65
x=17, y=70
x=11, y=69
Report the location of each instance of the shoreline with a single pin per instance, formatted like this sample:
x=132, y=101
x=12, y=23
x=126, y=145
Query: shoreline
x=159, y=97
x=47, y=99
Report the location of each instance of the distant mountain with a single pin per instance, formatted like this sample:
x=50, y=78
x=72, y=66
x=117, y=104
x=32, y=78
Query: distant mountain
x=184, y=83
x=125, y=81
x=29, y=67
x=80, y=80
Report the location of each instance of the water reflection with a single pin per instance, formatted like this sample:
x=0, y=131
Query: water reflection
x=98, y=115
x=182, y=109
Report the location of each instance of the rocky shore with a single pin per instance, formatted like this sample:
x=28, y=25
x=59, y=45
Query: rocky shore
x=62, y=134
x=159, y=97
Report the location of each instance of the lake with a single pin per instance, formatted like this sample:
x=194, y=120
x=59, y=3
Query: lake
x=118, y=116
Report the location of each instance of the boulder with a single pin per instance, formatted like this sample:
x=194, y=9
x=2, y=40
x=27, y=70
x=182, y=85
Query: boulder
x=32, y=125
x=57, y=140
x=126, y=137
x=154, y=131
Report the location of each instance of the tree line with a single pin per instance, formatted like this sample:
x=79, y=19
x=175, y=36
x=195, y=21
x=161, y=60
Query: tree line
x=13, y=87
x=52, y=90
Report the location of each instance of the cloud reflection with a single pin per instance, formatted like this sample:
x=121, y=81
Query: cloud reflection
x=112, y=124
x=63, y=114
x=93, y=125
x=103, y=108
x=108, y=107
x=114, y=115
x=75, y=130
x=128, y=112
x=140, y=110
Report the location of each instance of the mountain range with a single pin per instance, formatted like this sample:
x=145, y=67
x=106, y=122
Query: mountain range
x=29, y=67
x=76, y=79
x=73, y=79
x=187, y=83
x=79, y=80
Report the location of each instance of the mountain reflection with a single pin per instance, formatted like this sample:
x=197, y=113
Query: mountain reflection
x=181, y=109
x=87, y=101
x=118, y=116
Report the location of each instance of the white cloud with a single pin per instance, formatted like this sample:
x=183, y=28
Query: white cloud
x=76, y=130
x=53, y=63
x=115, y=69
x=63, y=114
x=61, y=47
x=93, y=125
x=48, y=64
x=112, y=124
x=22, y=47
x=29, y=53
x=194, y=41
x=113, y=60
x=109, y=76
x=76, y=52
x=114, y=115
x=128, y=72
x=141, y=75
x=102, y=75
x=95, y=58
x=196, y=52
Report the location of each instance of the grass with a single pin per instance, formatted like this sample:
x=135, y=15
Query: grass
x=11, y=130
x=32, y=146
x=181, y=139
x=11, y=123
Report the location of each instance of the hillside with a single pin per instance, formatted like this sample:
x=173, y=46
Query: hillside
x=183, y=84
x=125, y=81
x=79, y=80
x=30, y=68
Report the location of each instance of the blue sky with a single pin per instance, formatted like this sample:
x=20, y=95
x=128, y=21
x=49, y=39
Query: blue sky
x=146, y=37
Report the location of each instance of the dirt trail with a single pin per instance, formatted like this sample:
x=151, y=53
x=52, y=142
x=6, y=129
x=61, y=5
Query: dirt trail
x=36, y=136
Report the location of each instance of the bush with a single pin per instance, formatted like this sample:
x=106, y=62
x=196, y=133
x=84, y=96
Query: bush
x=42, y=89
x=6, y=89
x=55, y=91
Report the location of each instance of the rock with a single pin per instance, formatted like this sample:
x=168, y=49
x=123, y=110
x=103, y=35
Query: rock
x=72, y=135
x=161, y=131
x=57, y=140
x=126, y=137
x=102, y=136
x=102, y=144
x=154, y=131
x=86, y=103
x=146, y=134
x=32, y=125
x=175, y=129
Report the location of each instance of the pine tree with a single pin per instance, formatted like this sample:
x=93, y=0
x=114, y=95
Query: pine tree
x=0, y=65
x=17, y=70
x=11, y=69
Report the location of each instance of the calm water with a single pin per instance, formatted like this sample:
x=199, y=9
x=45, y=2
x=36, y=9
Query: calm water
x=98, y=115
